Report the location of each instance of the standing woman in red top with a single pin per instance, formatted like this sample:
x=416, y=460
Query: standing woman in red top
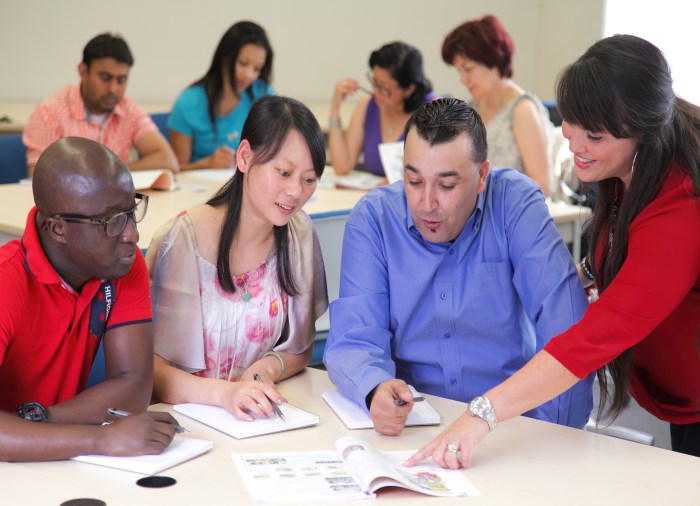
x=641, y=143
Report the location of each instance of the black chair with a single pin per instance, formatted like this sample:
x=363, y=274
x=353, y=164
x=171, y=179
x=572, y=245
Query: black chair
x=13, y=159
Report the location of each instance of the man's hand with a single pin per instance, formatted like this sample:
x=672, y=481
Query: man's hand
x=142, y=434
x=388, y=417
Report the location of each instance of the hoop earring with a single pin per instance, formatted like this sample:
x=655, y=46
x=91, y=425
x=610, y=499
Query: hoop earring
x=633, y=162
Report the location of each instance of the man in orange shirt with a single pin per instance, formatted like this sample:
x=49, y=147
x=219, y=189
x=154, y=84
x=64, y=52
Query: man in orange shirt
x=98, y=109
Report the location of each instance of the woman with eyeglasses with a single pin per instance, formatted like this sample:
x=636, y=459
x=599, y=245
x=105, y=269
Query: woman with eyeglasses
x=206, y=121
x=238, y=283
x=399, y=87
x=518, y=125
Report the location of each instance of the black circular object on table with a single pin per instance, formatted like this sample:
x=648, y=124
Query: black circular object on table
x=85, y=501
x=156, y=481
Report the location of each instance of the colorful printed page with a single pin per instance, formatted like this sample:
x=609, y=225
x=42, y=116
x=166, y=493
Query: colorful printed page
x=354, y=471
x=222, y=420
x=356, y=417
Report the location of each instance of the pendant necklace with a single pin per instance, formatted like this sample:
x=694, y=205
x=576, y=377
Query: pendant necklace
x=242, y=283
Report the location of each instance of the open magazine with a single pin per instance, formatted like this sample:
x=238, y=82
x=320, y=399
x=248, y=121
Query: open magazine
x=354, y=471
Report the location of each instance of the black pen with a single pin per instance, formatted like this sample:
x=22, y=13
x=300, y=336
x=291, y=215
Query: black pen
x=120, y=413
x=277, y=409
x=400, y=402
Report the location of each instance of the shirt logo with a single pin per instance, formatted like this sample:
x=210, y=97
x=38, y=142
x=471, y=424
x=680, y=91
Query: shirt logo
x=100, y=308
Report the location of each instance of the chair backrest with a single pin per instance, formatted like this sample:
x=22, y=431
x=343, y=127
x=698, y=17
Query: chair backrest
x=13, y=159
x=161, y=121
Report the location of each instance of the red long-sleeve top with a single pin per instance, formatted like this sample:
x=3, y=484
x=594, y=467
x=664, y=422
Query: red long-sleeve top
x=652, y=304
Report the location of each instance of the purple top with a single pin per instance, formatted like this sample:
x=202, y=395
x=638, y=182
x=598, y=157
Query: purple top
x=373, y=136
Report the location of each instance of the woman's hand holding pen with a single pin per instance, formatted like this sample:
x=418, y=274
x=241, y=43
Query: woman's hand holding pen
x=388, y=415
x=141, y=434
x=248, y=399
x=343, y=89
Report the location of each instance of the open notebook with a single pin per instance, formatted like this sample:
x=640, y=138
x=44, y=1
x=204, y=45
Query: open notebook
x=356, y=417
x=222, y=420
x=180, y=450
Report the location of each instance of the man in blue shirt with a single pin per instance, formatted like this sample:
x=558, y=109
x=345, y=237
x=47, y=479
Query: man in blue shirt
x=450, y=281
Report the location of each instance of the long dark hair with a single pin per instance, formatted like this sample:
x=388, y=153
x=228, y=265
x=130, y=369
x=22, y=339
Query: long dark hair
x=225, y=56
x=405, y=64
x=622, y=85
x=268, y=124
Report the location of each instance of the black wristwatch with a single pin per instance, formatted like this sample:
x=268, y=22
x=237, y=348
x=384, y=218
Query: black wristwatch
x=33, y=411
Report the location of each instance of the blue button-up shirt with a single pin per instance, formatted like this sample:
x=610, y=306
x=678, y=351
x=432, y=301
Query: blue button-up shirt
x=454, y=319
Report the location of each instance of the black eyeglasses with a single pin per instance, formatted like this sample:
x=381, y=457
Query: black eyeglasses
x=113, y=225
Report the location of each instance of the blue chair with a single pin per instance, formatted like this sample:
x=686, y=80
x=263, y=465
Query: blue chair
x=161, y=121
x=13, y=159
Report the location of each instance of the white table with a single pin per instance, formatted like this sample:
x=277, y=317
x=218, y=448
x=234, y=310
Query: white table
x=523, y=462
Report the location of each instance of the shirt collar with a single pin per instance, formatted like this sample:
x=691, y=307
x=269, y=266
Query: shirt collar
x=77, y=107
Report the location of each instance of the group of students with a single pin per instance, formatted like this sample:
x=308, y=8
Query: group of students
x=236, y=284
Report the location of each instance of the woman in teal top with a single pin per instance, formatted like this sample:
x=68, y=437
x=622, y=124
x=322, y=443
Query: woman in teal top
x=207, y=118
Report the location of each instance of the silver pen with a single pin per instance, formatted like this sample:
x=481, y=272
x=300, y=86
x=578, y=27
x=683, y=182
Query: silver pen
x=277, y=409
x=120, y=413
x=400, y=402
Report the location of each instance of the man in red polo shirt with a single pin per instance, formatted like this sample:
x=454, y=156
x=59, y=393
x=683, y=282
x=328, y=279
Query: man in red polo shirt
x=76, y=277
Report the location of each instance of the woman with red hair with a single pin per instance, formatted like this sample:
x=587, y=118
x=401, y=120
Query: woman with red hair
x=519, y=130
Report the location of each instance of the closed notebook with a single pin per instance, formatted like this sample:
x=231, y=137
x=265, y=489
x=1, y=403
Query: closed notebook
x=180, y=450
x=355, y=417
x=222, y=420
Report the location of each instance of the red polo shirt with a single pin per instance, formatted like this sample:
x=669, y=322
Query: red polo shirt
x=49, y=333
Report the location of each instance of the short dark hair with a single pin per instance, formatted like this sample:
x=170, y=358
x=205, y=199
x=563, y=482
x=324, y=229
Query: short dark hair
x=483, y=40
x=405, y=64
x=443, y=119
x=269, y=122
x=106, y=45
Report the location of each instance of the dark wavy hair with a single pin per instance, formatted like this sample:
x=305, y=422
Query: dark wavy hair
x=106, y=45
x=443, y=119
x=483, y=40
x=225, y=56
x=405, y=64
x=268, y=124
x=622, y=85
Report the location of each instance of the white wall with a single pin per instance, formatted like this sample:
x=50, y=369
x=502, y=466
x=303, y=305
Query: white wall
x=315, y=41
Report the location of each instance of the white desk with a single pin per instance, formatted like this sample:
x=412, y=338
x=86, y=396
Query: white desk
x=524, y=462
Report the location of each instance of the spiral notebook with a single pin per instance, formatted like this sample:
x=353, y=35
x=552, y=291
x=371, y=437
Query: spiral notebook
x=356, y=417
x=222, y=420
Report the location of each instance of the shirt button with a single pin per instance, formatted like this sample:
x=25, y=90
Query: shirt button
x=443, y=296
x=453, y=381
x=447, y=335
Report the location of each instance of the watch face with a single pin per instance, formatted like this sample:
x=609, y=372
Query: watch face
x=478, y=405
x=33, y=411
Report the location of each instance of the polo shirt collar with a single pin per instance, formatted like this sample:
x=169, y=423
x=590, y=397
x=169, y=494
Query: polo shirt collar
x=35, y=260
x=77, y=108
